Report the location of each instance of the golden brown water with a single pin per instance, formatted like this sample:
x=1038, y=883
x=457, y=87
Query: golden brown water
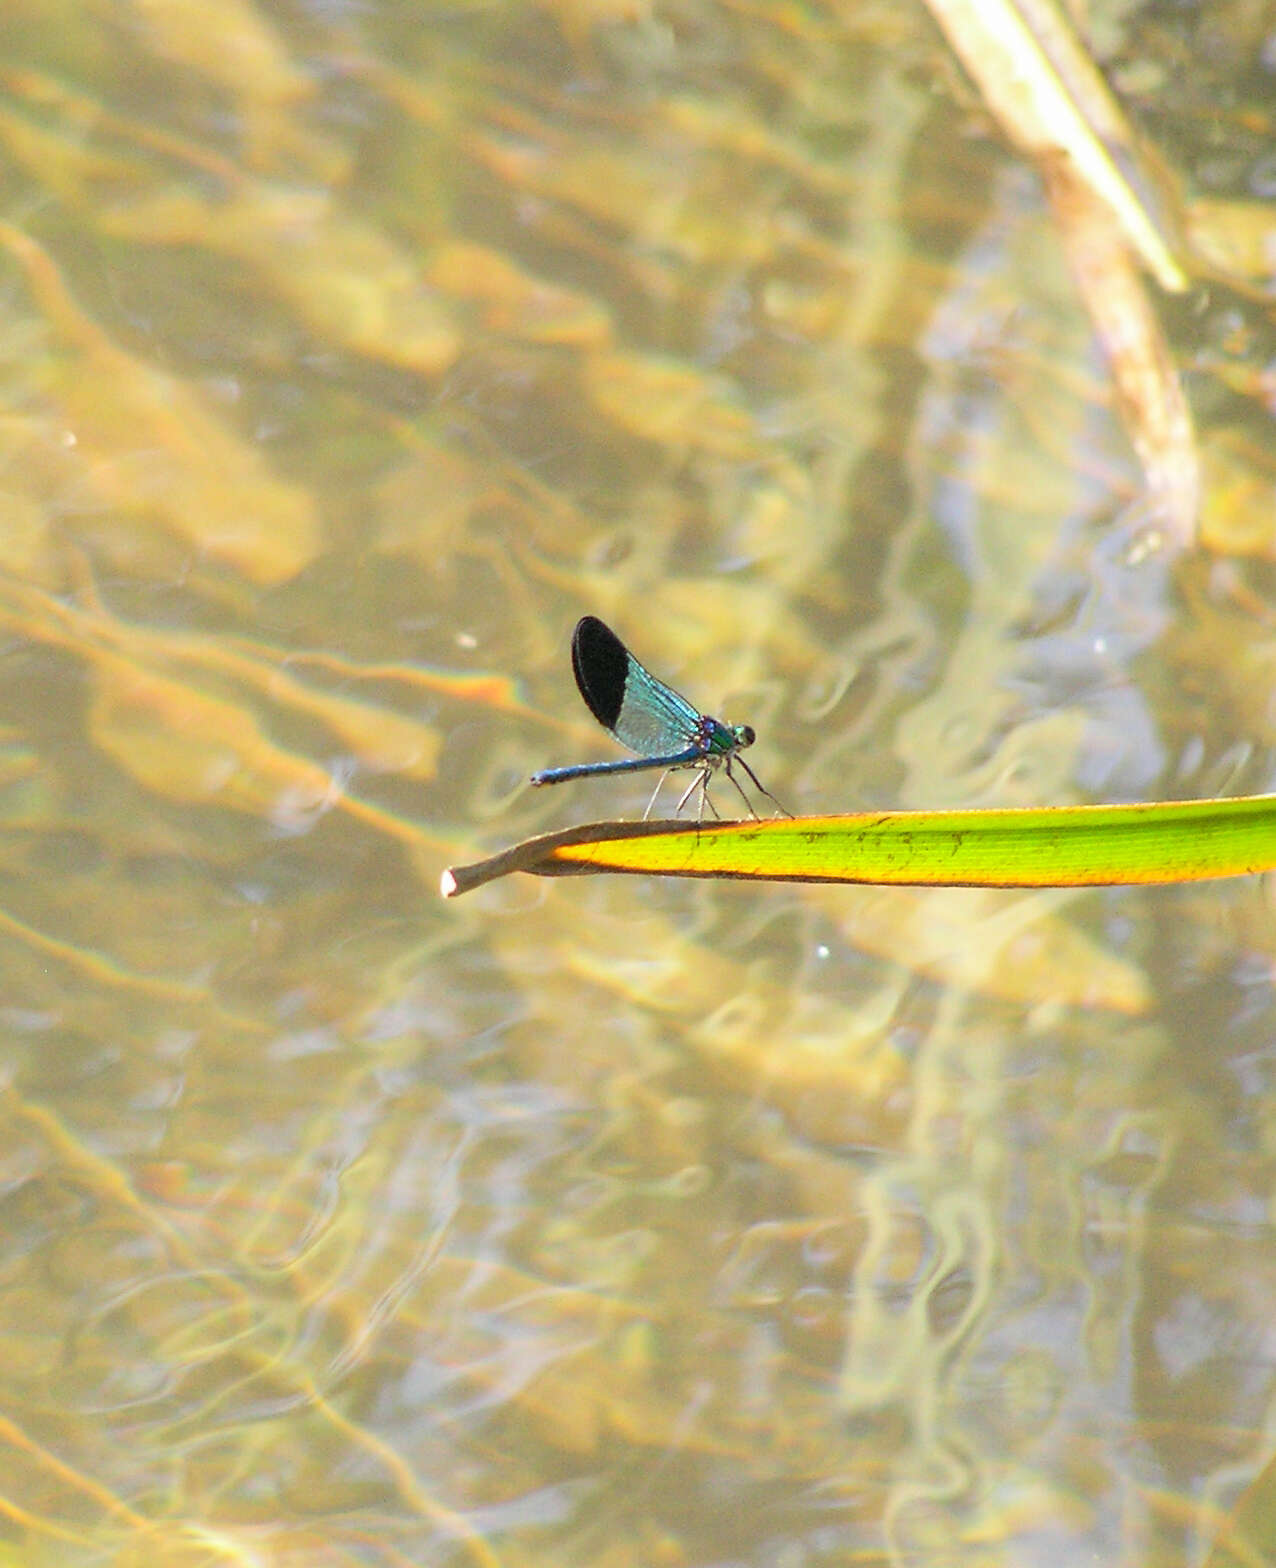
x=347, y=356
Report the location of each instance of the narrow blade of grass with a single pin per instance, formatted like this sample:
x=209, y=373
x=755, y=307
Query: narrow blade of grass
x=1062, y=846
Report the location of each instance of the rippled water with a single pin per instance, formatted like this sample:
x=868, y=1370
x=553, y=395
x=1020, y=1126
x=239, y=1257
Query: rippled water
x=347, y=356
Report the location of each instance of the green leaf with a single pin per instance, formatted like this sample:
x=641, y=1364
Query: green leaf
x=1062, y=846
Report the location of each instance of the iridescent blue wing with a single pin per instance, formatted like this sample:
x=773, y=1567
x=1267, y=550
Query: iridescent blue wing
x=643, y=713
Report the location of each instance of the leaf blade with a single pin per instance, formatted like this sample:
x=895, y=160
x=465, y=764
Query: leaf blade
x=1053, y=846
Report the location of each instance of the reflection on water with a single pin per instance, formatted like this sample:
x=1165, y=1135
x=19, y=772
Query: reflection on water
x=346, y=357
